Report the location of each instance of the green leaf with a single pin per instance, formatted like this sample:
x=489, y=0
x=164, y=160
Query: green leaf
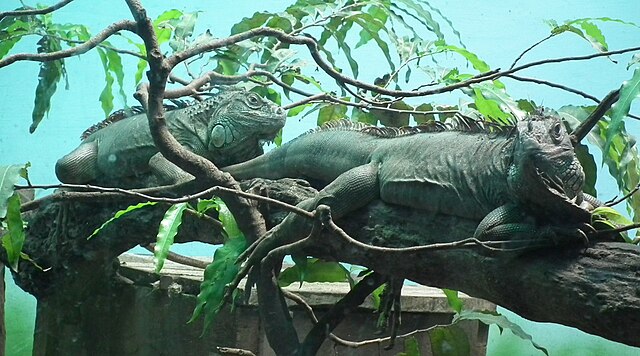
x=221, y=271
x=391, y=118
x=476, y=62
x=488, y=318
x=13, y=240
x=106, y=96
x=167, y=232
x=424, y=118
x=604, y=218
x=589, y=167
x=628, y=92
x=373, y=26
x=330, y=112
x=115, y=66
x=183, y=31
x=256, y=20
x=50, y=74
x=119, y=214
x=367, y=117
x=314, y=271
x=449, y=341
x=9, y=177
x=454, y=301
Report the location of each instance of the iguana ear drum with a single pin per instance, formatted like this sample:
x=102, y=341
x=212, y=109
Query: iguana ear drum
x=218, y=136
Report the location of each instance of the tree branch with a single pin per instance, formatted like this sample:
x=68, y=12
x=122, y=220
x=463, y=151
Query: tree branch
x=83, y=48
x=44, y=10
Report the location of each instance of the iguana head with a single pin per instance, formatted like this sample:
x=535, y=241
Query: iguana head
x=545, y=168
x=238, y=123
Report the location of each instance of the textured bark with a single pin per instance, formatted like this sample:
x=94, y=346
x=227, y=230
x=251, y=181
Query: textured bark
x=594, y=289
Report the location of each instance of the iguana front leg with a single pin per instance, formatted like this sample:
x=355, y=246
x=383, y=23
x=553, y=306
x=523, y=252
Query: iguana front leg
x=166, y=171
x=511, y=223
x=351, y=190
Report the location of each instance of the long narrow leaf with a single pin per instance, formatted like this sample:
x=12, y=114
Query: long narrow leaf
x=221, y=270
x=13, y=240
x=167, y=232
x=501, y=321
x=629, y=92
x=119, y=214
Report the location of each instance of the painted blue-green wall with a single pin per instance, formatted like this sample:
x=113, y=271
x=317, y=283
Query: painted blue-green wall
x=496, y=30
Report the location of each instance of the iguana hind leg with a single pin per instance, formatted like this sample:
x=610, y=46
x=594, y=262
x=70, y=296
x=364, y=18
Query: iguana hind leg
x=80, y=165
x=166, y=171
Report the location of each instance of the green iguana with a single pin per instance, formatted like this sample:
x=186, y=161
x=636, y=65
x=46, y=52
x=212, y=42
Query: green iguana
x=515, y=182
x=226, y=128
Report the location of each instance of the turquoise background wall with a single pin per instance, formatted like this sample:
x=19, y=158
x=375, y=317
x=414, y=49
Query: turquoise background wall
x=496, y=30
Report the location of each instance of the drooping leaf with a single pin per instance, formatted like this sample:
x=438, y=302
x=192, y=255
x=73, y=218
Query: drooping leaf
x=106, y=96
x=628, y=92
x=489, y=318
x=221, y=270
x=478, y=64
x=119, y=214
x=50, y=74
x=13, y=240
x=115, y=67
x=167, y=232
x=454, y=301
x=314, y=271
x=449, y=340
x=9, y=177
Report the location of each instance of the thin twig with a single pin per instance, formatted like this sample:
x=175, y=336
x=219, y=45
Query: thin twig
x=553, y=85
x=529, y=49
x=616, y=230
x=625, y=197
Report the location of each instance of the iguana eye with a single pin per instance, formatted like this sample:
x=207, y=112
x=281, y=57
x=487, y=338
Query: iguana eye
x=254, y=101
x=556, y=132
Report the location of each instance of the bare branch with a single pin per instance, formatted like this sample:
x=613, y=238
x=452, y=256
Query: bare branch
x=553, y=85
x=529, y=49
x=83, y=48
x=44, y=10
x=625, y=197
x=177, y=258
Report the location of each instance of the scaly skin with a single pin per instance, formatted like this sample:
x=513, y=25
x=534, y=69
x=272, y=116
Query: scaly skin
x=475, y=175
x=225, y=129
